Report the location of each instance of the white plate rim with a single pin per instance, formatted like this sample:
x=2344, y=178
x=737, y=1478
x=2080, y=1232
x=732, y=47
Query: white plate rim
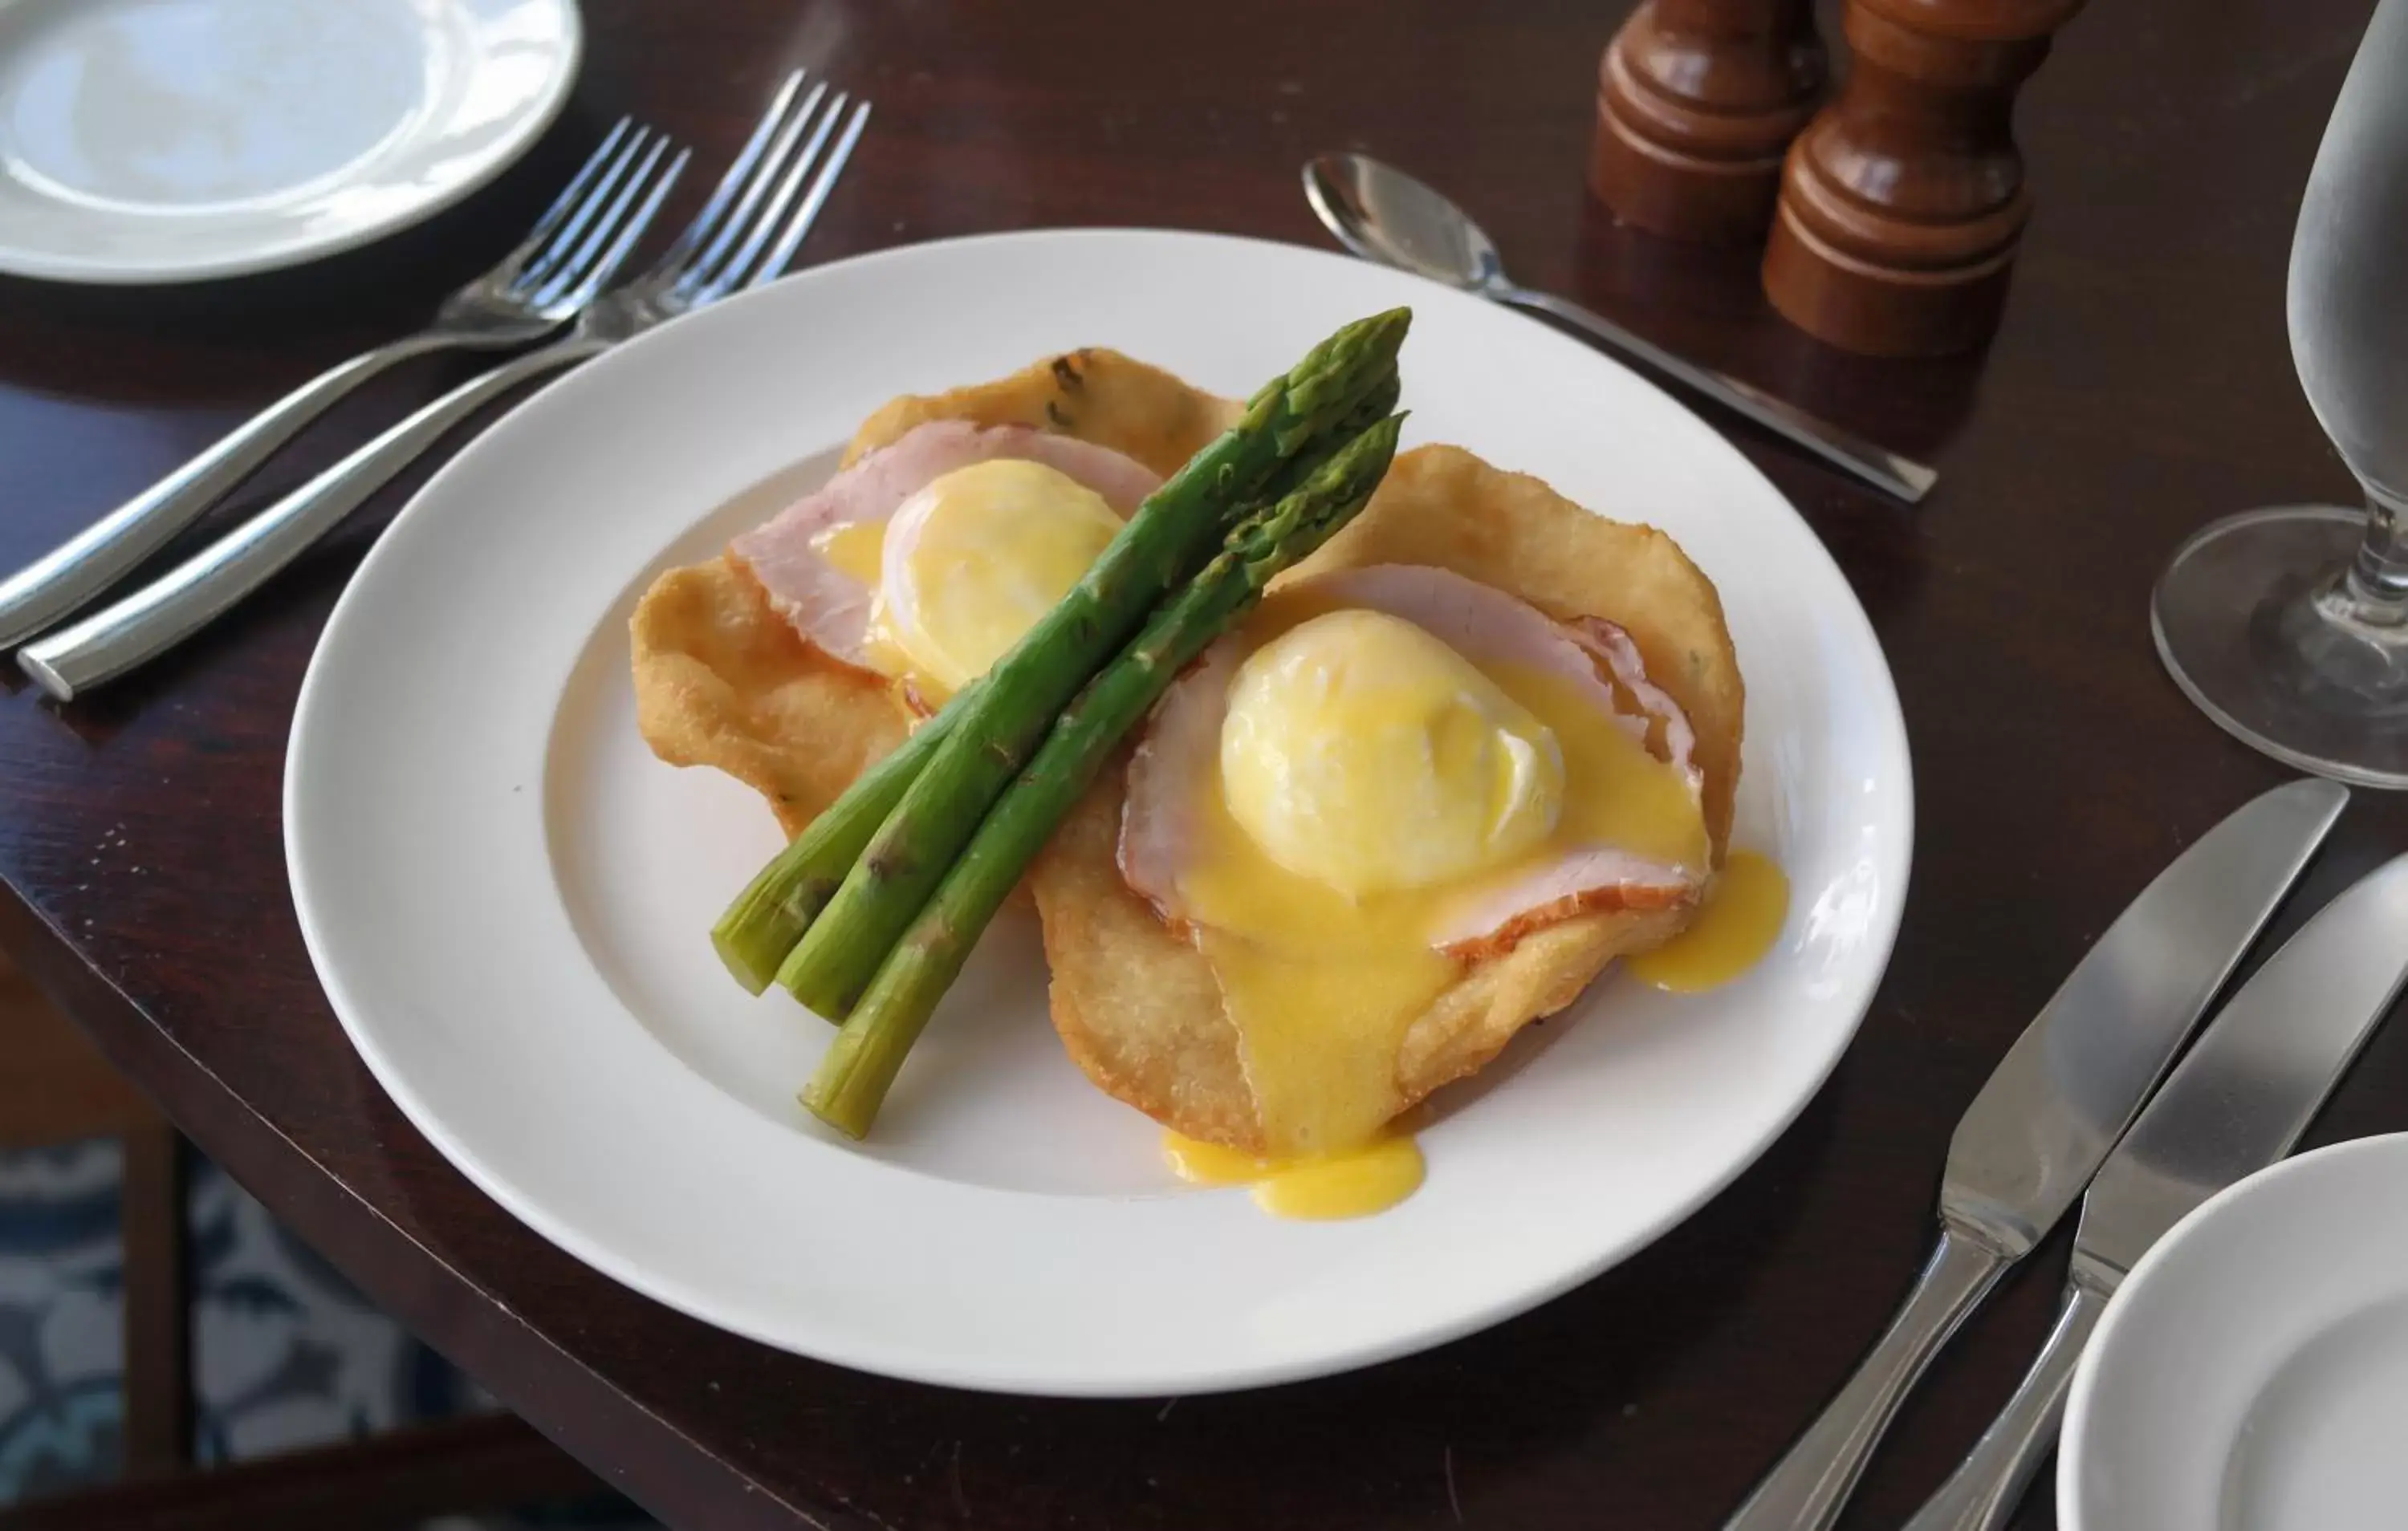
x=478, y=174
x=2076, y=1448
x=1896, y=874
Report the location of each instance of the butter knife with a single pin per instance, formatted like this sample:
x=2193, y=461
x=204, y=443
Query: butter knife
x=2237, y=1103
x=2050, y=1111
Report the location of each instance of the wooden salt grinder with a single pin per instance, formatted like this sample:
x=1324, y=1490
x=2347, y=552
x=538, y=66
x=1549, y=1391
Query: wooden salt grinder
x=1902, y=202
x=1696, y=101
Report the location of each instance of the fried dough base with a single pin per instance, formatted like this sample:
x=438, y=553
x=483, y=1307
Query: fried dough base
x=722, y=680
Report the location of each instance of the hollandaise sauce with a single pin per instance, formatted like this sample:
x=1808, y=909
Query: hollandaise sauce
x=1373, y=783
x=1354, y=1183
x=854, y=547
x=1743, y=917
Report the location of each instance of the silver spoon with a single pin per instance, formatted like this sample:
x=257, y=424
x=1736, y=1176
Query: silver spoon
x=1384, y=215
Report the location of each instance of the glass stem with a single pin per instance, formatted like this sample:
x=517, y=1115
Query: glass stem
x=2375, y=588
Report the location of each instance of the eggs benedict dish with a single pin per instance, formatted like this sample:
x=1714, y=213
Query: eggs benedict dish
x=1458, y=761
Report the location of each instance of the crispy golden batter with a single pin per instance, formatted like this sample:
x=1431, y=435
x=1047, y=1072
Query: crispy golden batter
x=1138, y=1006
x=721, y=679
x=1094, y=393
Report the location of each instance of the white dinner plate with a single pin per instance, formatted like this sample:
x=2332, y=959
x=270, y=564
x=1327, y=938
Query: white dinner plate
x=170, y=140
x=507, y=897
x=2251, y=1374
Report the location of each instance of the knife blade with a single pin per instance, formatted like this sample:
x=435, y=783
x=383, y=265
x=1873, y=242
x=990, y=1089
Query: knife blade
x=2238, y=1102
x=2052, y=1108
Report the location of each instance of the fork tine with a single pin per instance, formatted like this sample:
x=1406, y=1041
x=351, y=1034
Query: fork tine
x=732, y=274
x=563, y=246
x=739, y=219
x=617, y=254
x=516, y=260
x=706, y=221
x=579, y=266
x=800, y=224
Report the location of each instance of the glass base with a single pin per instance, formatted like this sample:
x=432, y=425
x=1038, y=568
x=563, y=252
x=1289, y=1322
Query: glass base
x=2252, y=623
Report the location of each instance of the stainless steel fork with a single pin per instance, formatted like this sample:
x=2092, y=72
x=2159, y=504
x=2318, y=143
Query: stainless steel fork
x=536, y=288
x=743, y=237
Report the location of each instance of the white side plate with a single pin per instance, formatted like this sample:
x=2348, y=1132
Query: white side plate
x=2251, y=1374
x=170, y=140
x=507, y=897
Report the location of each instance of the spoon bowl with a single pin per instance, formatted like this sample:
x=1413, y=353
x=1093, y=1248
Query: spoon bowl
x=1383, y=214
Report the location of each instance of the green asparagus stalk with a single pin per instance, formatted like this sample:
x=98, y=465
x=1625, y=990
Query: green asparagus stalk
x=860, y=1066
x=1172, y=532
x=771, y=915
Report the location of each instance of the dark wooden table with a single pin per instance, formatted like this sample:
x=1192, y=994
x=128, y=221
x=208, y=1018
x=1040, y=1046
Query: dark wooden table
x=2141, y=385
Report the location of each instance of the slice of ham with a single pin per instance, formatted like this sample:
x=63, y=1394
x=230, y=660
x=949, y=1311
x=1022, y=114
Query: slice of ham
x=1159, y=837
x=832, y=608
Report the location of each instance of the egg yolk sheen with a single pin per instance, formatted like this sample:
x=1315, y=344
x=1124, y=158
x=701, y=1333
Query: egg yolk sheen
x=1372, y=777
x=969, y=563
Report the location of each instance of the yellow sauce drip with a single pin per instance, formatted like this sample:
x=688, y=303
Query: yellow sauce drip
x=854, y=548
x=1322, y=987
x=1741, y=919
x=1355, y=1183
x=1320, y=1033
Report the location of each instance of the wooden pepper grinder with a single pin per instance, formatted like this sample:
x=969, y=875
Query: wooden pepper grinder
x=1902, y=202
x=1696, y=101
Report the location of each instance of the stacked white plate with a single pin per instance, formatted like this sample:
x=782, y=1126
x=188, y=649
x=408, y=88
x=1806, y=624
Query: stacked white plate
x=172, y=140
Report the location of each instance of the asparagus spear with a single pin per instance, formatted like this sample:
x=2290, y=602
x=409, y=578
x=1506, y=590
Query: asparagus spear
x=1171, y=534
x=771, y=915
x=860, y=1066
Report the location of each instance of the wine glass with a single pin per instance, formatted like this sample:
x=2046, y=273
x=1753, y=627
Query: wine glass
x=2289, y=625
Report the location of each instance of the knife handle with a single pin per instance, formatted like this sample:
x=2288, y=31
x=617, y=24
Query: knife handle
x=1806, y=1488
x=146, y=624
x=73, y=574
x=1984, y=1491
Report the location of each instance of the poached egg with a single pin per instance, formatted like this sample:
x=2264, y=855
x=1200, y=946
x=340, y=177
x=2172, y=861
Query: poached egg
x=926, y=559
x=968, y=565
x=1355, y=724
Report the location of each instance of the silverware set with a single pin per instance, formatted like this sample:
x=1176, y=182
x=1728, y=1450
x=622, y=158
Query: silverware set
x=563, y=273
x=2076, y=1102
